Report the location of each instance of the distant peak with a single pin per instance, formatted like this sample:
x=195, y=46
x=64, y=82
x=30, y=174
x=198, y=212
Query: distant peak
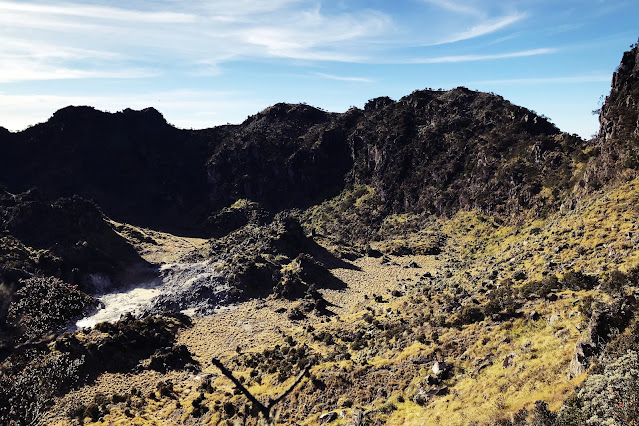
x=72, y=111
x=148, y=113
x=378, y=103
x=285, y=111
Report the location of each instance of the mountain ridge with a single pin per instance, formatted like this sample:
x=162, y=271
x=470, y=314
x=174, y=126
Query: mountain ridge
x=143, y=171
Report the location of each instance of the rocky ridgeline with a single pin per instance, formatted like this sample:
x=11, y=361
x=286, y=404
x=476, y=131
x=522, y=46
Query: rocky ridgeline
x=431, y=151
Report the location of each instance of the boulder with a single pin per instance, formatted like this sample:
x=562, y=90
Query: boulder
x=554, y=319
x=441, y=369
x=421, y=397
x=580, y=361
x=327, y=417
x=508, y=361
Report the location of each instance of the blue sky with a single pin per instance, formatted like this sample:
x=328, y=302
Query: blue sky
x=205, y=63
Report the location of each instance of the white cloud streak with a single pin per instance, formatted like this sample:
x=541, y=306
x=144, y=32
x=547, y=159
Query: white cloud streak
x=574, y=79
x=344, y=78
x=487, y=57
x=455, y=7
x=484, y=28
x=98, y=12
x=73, y=40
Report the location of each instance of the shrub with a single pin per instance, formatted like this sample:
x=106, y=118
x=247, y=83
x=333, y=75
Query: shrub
x=468, y=315
x=616, y=283
x=198, y=408
x=609, y=397
x=586, y=307
x=501, y=299
x=387, y=408
x=92, y=411
x=540, y=288
x=577, y=280
x=541, y=415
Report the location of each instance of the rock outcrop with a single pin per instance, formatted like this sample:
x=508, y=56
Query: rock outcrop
x=618, y=139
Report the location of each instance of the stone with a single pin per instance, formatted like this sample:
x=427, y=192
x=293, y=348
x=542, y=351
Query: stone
x=358, y=418
x=438, y=367
x=421, y=397
x=432, y=380
x=581, y=358
x=328, y=417
x=508, y=361
x=519, y=275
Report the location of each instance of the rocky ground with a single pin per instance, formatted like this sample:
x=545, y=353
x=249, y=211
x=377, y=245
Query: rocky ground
x=458, y=337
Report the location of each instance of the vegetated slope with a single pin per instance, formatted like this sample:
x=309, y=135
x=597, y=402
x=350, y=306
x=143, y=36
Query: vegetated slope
x=500, y=311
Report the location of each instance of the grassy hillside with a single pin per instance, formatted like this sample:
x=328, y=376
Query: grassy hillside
x=501, y=305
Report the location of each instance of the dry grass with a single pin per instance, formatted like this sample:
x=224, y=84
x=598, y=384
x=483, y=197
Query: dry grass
x=155, y=246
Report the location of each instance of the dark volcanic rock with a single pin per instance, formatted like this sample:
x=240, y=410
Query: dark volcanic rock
x=431, y=151
x=275, y=258
x=285, y=156
x=241, y=213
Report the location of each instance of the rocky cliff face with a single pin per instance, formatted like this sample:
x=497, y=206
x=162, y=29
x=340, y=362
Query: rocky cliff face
x=441, y=151
x=618, y=139
x=285, y=156
x=619, y=113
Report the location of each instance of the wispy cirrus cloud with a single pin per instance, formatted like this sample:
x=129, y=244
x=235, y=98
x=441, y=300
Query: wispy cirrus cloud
x=75, y=40
x=572, y=79
x=483, y=28
x=456, y=7
x=24, y=71
x=97, y=12
x=344, y=78
x=486, y=57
